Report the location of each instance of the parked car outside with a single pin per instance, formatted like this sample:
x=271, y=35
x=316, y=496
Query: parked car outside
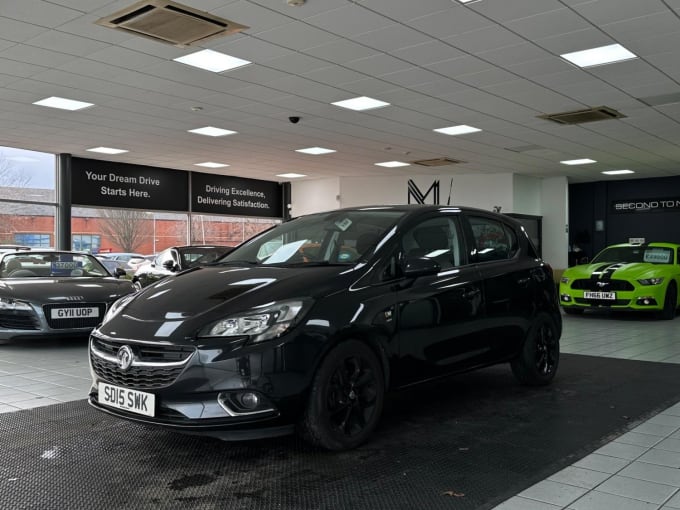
x=54, y=293
x=308, y=324
x=628, y=277
x=176, y=259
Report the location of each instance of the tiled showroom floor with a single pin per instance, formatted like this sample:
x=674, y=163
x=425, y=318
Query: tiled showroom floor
x=638, y=470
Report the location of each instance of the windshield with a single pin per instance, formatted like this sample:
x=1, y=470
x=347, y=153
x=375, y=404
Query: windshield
x=340, y=237
x=46, y=264
x=653, y=255
x=193, y=256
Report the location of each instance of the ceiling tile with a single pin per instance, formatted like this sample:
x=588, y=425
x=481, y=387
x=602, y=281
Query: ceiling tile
x=546, y=24
x=341, y=51
x=453, y=21
x=484, y=39
x=66, y=43
x=404, y=10
x=603, y=12
x=517, y=9
x=428, y=53
x=36, y=12
x=349, y=21
x=392, y=38
x=296, y=36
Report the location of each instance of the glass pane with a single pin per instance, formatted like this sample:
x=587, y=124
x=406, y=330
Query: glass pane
x=27, y=175
x=225, y=230
x=126, y=230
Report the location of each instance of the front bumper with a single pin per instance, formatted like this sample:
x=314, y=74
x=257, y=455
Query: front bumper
x=642, y=298
x=201, y=389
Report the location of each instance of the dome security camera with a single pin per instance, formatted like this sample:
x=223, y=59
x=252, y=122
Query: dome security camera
x=294, y=120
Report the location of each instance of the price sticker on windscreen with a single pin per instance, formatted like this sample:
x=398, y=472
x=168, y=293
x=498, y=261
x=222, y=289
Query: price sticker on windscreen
x=657, y=256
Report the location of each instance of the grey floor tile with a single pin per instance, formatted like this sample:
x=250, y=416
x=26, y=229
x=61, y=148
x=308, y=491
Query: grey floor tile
x=580, y=477
x=666, y=419
x=553, y=493
x=519, y=503
x=622, y=450
x=661, y=458
x=602, y=463
x=672, y=445
x=673, y=410
x=4, y=408
x=638, y=439
x=652, y=473
x=595, y=500
x=36, y=402
x=655, y=430
x=631, y=488
x=674, y=502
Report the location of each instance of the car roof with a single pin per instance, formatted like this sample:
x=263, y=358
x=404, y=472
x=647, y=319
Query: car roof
x=653, y=244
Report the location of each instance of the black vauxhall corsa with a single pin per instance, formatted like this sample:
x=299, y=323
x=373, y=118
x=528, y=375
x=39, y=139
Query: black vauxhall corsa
x=309, y=323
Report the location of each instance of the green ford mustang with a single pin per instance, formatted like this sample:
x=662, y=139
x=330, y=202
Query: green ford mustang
x=625, y=277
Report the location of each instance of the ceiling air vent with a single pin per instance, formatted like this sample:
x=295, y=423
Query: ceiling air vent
x=437, y=162
x=582, y=116
x=170, y=22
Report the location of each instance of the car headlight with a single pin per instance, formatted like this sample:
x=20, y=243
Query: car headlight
x=12, y=304
x=650, y=281
x=117, y=307
x=564, y=279
x=260, y=323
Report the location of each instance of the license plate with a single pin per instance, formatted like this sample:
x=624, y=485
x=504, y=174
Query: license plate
x=599, y=295
x=74, y=313
x=126, y=399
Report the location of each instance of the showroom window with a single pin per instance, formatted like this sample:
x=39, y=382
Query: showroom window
x=226, y=230
x=27, y=197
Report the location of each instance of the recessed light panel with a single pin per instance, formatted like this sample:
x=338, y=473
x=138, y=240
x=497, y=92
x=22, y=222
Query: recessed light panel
x=315, y=151
x=361, y=103
x=291, y=175
x=106, y=150
x=212, y=61
x=584, y=161
x=618, y=172
x=392, y=164
x=210, y=164
x=63, y=103
x=457, y=130
x=212, y=131
x=599, y=56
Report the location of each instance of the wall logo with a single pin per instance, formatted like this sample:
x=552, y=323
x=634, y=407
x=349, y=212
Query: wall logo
x=415, y=196
x=646, y=205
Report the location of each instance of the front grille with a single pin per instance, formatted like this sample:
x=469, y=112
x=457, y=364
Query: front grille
x=612, y=285
x=140, y=377
x=602, y=302
x=19, y=320
x=75, y=322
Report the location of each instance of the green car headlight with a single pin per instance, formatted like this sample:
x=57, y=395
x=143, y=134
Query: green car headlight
x=260, y=323
x=651, y=281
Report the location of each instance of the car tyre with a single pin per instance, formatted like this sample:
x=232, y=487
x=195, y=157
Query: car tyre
x=346, y=398
x=137, y=285
x=573, y=311
x=537, y=362
x=670, y=302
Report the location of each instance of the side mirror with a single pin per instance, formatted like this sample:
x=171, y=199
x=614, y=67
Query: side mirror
x=414, y=267
x=119, y=272
x=170, y=265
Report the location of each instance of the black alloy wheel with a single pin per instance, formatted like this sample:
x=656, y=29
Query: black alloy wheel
x=346, y=398
x=537, y=363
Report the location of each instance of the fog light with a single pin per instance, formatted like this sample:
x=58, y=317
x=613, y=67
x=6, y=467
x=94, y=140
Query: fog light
x=566, y=298
x=646, y=301
x=250, y=400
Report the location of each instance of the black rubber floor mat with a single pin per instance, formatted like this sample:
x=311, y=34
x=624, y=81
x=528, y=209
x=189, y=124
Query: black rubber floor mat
x=466, y=443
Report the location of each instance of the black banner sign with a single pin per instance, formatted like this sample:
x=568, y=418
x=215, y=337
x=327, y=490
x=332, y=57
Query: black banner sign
x=221, y=194
x=646, y=205
x=108, y=184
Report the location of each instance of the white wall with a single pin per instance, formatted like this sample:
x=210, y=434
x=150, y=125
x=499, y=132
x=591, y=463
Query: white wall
x=314, y=196
x=526, y=195
x=481, y=191
x=555, y=212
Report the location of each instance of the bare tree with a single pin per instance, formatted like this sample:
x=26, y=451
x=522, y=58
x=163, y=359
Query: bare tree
x=128, y=228
x=10, y=175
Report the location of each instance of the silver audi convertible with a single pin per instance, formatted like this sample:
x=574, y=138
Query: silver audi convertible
x=54, y=293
